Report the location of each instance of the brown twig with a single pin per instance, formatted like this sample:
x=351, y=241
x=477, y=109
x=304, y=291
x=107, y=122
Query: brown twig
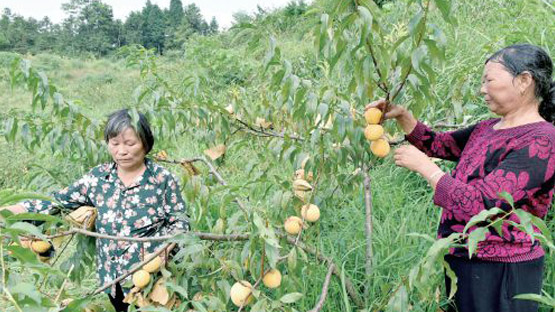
x=351, y=290
x=200, y=235
x=325, y=287
x=404, y=81
x=266, y=133
x=212, y=170
x=133, y=270
x=368, y=225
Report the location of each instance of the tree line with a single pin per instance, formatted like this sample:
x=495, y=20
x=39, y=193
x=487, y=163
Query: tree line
x=90, y=27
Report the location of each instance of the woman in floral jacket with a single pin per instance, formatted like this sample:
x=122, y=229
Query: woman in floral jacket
x=133, y=196
x=514, y=154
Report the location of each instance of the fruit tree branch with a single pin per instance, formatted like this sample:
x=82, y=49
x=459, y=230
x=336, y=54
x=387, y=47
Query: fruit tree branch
x=266, y=133
x=200, y=235
x=348, y=284
x=325, y=287
x=134, y=269
x=368, y=224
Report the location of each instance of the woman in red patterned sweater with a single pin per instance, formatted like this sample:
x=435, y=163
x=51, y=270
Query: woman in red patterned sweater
x=514, y=153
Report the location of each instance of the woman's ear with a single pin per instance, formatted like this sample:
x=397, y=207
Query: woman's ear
x=525, y=82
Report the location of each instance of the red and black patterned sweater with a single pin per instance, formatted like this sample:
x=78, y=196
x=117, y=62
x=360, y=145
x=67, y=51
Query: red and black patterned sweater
x=519, y=160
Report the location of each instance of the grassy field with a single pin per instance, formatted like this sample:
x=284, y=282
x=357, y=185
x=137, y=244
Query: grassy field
x=226, y=64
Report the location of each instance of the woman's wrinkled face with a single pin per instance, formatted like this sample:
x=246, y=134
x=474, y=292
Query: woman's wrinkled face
x=127, y=150
x=500, y=89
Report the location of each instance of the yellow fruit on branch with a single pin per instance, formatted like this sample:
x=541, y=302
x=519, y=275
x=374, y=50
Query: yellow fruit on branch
x=153, y=265
x=302, y=195
x=141, y=278
x=272, y=279
x=240, y=293
x=310, y=212
x=373, y=116
x=380, y=147
x=293, y=225
x=300, y=174
x=301, y=185
x=40, y=246
x=373, y=132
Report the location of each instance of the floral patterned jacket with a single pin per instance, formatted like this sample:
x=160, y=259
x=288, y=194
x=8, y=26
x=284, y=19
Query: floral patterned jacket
x=151, y=206
x=519, y=160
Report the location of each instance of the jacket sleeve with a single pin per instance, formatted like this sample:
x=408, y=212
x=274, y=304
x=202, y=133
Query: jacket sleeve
x=71, y=197
x=444, y=145
x=527, y=173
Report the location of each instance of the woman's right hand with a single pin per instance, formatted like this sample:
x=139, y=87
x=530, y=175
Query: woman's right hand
x=392, y=111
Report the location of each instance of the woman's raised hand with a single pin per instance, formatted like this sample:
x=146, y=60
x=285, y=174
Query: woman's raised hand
x=392, y=111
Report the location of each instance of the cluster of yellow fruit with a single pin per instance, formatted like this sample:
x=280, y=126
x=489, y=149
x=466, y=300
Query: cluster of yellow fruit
x=241, y=292
x=309, y=212
x=158, y=296
x=43, y=249
x=374, y=132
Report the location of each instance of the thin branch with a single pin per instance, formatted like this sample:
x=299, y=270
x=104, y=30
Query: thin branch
x=134, y=269
x=324, y=294
x=4, y=287
x=212, y=170
x=368, y=225
x=351, y=290
x=266, y=132
x=200, y=235
x=404, y=81
x=63, y=284
x=549, y=5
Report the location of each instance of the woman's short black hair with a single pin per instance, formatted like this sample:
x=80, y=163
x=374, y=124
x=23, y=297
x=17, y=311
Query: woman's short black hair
x=520, y=58
x=120, y=120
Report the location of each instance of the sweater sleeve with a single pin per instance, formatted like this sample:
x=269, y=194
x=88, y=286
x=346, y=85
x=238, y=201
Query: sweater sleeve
x=444, y=145
x=527, y=173
x=71, y=197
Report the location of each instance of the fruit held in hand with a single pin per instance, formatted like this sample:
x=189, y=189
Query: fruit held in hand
x=373, y=116
x=240, y=293
x=40, y=246
x=153, y=265
x=272, y=279
x=373, y=132
x=293, y=225
x=380, y=147
x=141, y=278
x=310, y=212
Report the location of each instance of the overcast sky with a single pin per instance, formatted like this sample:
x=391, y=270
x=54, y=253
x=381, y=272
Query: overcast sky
x=221, y=9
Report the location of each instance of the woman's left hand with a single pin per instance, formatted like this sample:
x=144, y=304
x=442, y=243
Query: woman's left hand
x=412, y=158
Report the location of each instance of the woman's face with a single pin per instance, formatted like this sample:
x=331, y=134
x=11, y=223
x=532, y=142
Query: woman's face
x=127, y=150
x=500, y=89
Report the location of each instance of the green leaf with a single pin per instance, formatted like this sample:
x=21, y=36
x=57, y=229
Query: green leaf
x=27, y=228
x=27, y=290
x=507, y=197
x=548, y=301
x=483, y=216
x=291, y=297
x=399, y=302
x=444, y=7
x=474, y=238
x=452, y=276
x=292, y=259
x=33, y=217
